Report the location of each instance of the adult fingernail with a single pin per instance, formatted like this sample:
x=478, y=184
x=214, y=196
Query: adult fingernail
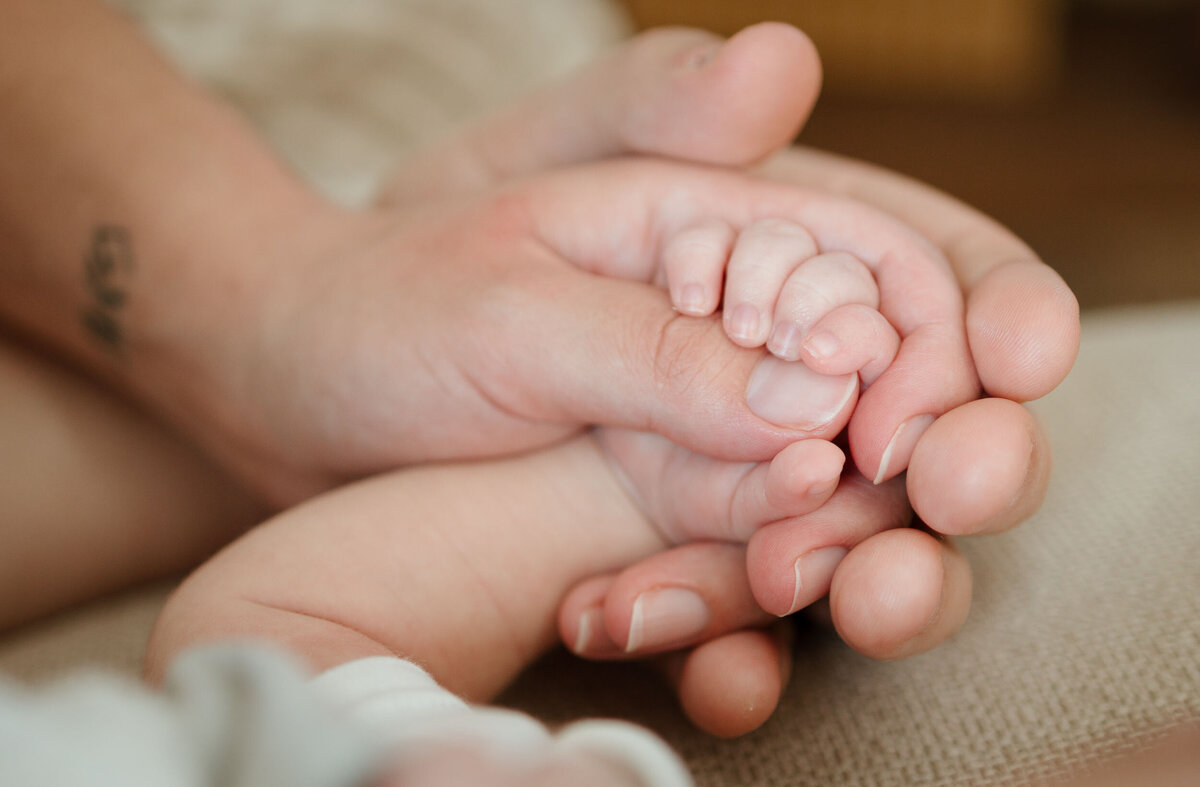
x=665, y=617
x=813, y=575
x=785, y=341
x=899, y=449
x=789, y=394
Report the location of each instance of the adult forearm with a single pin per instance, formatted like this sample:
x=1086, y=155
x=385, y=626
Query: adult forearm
x=134, y=206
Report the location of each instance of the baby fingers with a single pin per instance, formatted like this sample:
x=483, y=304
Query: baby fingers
x=693, y=261
x=821, y=285
x=765, y=256
x=851, y=338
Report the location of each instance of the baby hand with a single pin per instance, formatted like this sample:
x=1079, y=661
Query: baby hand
x=782, y=291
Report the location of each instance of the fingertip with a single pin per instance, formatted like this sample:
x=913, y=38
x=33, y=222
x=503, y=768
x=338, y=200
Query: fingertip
x=981, y=468
x=897, y=452
x=887, y=591
x=581, y=619
x=1023, y=328
x=693, y=260
x=952, y=607
x=690, y=299
x=730, y=686
x=851, y=338
x=931, y=374
x=799, y=480
x=805, y=469
x=785, y=574
x=731, y=91
x=678, y=597
x=776, y=50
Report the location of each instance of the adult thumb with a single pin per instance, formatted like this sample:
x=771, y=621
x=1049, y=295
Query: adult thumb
x=619, y=355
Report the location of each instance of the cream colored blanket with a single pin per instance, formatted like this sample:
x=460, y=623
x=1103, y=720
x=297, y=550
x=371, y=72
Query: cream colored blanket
x=1085, y=635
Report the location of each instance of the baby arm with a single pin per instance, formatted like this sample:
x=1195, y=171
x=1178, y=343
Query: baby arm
x=459, y=567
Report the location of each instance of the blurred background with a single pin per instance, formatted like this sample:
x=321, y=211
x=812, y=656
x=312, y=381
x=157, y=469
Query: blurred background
x=1074, y=122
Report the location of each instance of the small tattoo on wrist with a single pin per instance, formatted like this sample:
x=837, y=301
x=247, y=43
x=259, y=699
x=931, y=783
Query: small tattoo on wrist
x=107, y=269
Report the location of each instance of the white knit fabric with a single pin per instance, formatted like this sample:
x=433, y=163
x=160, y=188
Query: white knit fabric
x=412, y=715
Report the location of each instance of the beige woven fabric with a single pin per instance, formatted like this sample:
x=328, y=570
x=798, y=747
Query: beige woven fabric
x=1085, y=635
x=109, y=634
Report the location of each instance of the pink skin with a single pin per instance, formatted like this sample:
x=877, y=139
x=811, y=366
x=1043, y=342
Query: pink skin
x=851, y=338
x=461, y=566
x=894, y=593
x=597, y=620
x=932, y=371
x=512, y=340
x=1022, y=321
x=780, y=291
x=693, y=497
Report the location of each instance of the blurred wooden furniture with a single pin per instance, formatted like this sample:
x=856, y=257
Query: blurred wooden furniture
x=989, y=50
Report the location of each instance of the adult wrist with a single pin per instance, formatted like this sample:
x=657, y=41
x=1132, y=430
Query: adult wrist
x=199, y=323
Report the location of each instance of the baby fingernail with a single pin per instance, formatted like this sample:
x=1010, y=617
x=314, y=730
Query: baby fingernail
x=900, y=447
x=743, y=323
x=813, y=575
x=785, y=341
x=789, y=394
x=691, y=299
x=822, y=344
x=664, y=617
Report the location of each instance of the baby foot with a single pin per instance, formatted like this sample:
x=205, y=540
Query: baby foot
x=781, y=290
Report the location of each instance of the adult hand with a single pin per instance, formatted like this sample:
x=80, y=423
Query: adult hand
x=212, y=280
x=896, y=593
x=525, y=315
x=980, y=468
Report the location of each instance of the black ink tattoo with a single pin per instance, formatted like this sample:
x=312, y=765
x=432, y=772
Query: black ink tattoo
x=107, y=269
